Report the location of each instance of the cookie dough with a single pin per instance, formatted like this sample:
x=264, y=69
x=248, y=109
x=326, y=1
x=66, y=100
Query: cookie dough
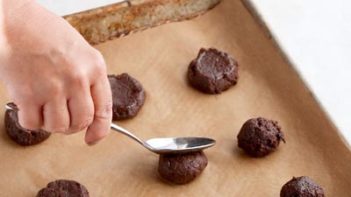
x=19, y=134
x=63, y=188
x=301, y=187
x=258, y=137
x=128, y=96
x=213, y=71
x=182, y=168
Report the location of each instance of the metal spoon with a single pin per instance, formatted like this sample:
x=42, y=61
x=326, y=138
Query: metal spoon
x=169, y=145
x=163, y=145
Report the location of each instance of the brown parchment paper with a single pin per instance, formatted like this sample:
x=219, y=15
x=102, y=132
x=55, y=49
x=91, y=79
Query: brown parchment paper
x=159, y=57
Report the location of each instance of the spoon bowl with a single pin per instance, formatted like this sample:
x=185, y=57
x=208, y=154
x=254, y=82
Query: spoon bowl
x=179, y=145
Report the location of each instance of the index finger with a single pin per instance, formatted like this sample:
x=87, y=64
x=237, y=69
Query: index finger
x=102, y=98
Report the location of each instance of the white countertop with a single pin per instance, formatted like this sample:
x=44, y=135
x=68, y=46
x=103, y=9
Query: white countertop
x=315, y=35
x=64, y=7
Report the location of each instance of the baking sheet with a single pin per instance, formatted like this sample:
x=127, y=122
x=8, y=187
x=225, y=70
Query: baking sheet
x=158, y=58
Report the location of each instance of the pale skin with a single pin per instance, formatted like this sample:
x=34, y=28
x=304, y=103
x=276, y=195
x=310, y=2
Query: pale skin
x=57, y=80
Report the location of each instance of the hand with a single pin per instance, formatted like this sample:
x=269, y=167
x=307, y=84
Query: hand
x=57, y=80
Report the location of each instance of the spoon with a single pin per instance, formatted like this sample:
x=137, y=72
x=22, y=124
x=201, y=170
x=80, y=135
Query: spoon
x=171, y=145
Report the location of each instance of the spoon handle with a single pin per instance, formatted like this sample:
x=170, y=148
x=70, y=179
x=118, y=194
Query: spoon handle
x=127, y=133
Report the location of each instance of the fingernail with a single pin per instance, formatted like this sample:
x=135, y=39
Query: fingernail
x=92, y=143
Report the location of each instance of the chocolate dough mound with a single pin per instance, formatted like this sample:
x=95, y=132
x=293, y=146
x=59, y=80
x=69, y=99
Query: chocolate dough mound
x=182, y=168
x=63, y=188
x=128, y=96
x=301, y=187
x=19, y=134
x=213, y=71
x=259, y=137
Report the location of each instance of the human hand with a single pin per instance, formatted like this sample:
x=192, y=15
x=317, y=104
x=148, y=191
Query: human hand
x=57, y=80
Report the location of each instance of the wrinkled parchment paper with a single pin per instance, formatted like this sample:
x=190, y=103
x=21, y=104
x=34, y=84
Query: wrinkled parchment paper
x=158, y=58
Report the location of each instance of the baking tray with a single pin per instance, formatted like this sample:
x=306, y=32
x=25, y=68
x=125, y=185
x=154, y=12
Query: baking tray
x=158, y=58
x=125, y=17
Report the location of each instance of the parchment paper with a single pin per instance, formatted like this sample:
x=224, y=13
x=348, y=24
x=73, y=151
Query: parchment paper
x=159, y=58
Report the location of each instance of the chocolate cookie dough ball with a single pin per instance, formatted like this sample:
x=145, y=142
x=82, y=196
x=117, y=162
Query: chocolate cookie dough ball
x=258, y=137
x=213, y=71
x=63, y=188
x=301, y=187
x=182, y=168
x=20, y=135
x=128, y=96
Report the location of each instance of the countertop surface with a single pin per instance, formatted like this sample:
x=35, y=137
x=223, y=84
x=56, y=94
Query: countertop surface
x=316, y=37
x=64, y=7
x=314, y=34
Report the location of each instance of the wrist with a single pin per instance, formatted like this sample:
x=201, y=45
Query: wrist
x=12, y=6
x=24, y=24
x=12, y=16
x=3, y=39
